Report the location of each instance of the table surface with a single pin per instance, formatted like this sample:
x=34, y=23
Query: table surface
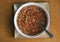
x=7, y=27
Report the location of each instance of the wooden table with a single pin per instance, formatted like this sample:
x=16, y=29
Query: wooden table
x=7, y=28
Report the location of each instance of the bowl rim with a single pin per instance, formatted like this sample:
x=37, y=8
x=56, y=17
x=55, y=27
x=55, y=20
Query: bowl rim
x=19, y=9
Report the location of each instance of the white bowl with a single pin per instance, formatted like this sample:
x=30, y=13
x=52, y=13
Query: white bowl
x=28, y=4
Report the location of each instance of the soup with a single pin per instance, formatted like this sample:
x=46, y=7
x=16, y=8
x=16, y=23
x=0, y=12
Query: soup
x=28, y=16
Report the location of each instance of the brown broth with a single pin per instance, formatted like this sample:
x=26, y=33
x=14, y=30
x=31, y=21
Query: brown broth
x=28, y=16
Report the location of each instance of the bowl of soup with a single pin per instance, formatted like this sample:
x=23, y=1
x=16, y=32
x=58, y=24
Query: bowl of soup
x=25, y=19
